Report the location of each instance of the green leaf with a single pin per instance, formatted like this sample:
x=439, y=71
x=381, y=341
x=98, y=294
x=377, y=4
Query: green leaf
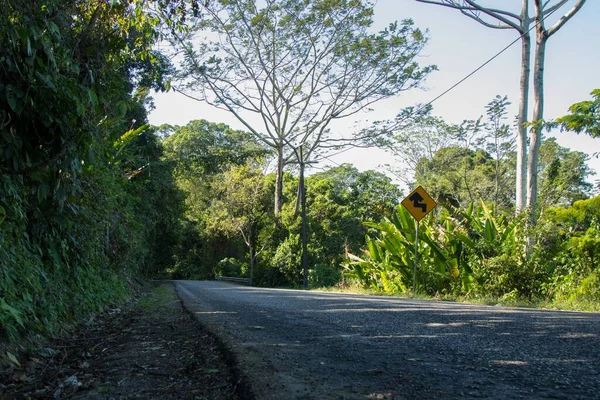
x=11, y=98
x=464, y=239
x=46, y=79
x=489, y=231
x=2, y=215
x=373, y=250
x=122, y=107
x=12, y=311
x=12, y=358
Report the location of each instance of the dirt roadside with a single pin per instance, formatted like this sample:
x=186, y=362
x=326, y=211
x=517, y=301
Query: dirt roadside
x=152, y=348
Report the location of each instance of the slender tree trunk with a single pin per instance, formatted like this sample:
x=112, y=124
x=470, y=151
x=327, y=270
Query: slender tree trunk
x=521, y=173
x=535, y=133
x=497, y=180
x=279, y=181
x=252, y=256
x=304, y=223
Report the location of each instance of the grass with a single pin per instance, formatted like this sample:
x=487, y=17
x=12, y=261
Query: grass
x=155, y=300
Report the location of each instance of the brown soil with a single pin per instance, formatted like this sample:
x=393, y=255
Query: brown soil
x=151, y=349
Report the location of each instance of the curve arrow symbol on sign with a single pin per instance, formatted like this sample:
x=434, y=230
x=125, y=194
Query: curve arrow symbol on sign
x=416, y=198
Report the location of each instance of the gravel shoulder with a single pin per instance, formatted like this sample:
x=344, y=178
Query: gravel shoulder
x=152, y=348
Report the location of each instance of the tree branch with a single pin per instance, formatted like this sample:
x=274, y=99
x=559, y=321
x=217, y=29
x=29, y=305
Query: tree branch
x=563, y=20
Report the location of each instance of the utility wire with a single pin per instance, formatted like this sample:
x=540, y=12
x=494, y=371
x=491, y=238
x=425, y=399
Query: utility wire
x=489, y=60
x=470, y=74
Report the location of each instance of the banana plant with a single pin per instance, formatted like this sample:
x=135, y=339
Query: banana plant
x=389, y=259
x=483, y=232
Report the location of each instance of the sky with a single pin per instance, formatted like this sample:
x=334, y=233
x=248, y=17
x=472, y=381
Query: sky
x=458, y=45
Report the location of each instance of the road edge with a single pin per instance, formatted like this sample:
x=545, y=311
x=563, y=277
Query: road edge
x=241, y=383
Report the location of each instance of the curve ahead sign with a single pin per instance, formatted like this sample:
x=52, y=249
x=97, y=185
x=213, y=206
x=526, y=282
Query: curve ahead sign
x=419, y=203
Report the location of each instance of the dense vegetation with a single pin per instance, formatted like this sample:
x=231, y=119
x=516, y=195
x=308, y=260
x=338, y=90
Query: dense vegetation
x=92, y=198
x=472, y=246
x=79, y=213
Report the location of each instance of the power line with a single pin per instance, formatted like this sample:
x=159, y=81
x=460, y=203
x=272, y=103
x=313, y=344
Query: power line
x=489, y=60
x=419, y=109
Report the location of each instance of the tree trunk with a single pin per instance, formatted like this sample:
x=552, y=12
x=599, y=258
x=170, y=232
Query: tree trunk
x=304, y=227
x=497, y=180
x=252, y=256
x=521, y=173
x=535, y=133
x=279, y=181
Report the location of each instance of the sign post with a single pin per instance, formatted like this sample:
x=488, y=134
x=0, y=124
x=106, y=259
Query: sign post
x=416, y=259
x=418, y=203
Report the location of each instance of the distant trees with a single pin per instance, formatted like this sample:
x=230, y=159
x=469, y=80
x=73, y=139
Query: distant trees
x=241, y=205
x=203, y=153
x=228, y=224
x=296, y=66
x=475, y=160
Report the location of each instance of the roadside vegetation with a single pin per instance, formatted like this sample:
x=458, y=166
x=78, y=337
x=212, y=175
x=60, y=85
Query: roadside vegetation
x=92, y=198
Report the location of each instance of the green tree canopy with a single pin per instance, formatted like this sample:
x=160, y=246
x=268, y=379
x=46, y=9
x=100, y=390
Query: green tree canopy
x=203, y=147
x=297, y=66
x=584, y=116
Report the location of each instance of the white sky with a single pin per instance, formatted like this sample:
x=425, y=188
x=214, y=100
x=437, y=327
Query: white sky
x=457, y=46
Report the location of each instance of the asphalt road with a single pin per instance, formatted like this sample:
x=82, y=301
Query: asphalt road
x=313, y=345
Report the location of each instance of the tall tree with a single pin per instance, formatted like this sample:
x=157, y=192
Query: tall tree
x=499, y=140
x=241, y=207
x=421, y=139
x=526, y=194
x=297, y=66
x=542, y=10
x=521, y=22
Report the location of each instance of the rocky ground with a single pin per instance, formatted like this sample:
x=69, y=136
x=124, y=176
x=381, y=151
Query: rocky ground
x=152, y=348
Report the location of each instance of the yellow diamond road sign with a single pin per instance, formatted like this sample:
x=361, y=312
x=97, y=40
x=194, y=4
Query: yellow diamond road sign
x=419, y=203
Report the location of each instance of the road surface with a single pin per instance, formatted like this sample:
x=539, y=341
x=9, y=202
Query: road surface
x=295, y=344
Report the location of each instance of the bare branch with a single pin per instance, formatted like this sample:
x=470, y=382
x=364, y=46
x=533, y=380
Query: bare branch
x=563, y=20
x=555, y=7
x=470, y=8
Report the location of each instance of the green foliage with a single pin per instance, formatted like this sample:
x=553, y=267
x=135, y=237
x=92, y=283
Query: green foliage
x=563, y=174
x=583, y=117
x=204, y=148
x=80, y=213
x=338, y=202
x=323, y=276
x=460, y=252
x=229, y=267
x=390, y=258
x=458, y=174
x=475, y=254
x=209, y=162
x=569, y=247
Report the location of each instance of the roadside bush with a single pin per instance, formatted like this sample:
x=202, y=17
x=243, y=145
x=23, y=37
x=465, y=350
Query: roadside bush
x=569, y=246
x=509, y=274
x=229, y=267
x=322, y=275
